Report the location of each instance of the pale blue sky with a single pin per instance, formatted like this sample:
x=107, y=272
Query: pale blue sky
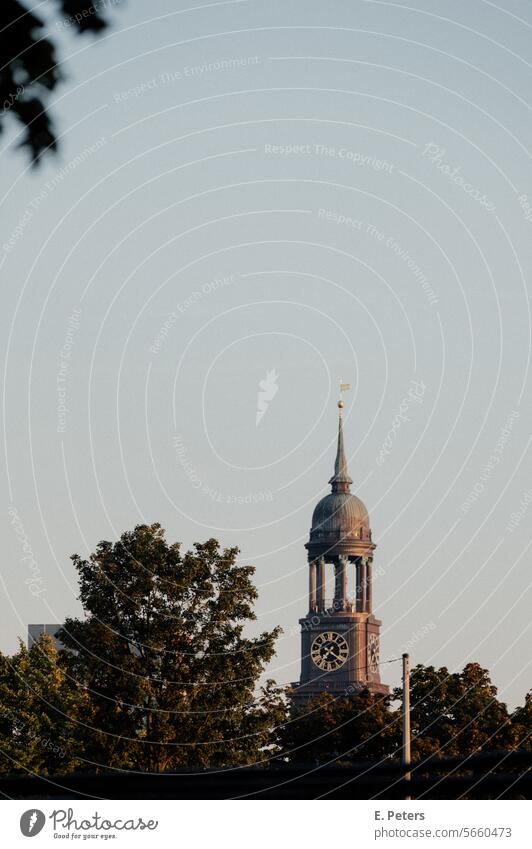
x=230, y=142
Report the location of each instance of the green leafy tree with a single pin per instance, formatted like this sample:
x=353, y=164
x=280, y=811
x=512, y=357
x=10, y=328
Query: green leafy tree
x=29, y=69
x=451, y=714
x=522, y=723
x=163, y=656
x=342, y=730
x=38, y=709
x=456, y=713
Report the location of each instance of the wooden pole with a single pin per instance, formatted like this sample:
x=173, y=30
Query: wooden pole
x=406, y=716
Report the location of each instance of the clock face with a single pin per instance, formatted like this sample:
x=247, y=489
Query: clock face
x=329, y=651
x=373, y=653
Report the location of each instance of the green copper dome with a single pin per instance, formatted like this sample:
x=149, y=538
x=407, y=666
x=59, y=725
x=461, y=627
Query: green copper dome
x=340, y=522
x=340, y=513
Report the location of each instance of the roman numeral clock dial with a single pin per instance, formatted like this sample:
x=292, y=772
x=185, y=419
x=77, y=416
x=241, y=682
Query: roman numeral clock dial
x=373, y=653
x=329, y=651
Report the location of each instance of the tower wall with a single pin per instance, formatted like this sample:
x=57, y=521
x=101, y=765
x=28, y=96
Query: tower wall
x=340, y=640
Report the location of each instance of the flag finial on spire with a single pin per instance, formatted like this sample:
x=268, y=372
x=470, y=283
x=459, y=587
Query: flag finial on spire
x=340, y=481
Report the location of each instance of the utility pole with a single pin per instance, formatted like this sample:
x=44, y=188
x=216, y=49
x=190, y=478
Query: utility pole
x=406, y=716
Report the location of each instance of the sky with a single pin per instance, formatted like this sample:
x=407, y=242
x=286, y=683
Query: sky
x=253, y=201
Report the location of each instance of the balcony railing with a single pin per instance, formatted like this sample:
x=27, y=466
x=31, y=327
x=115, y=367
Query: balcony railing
x=335, y=605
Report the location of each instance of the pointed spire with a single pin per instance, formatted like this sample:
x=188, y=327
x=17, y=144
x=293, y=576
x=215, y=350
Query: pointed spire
x=340, y=481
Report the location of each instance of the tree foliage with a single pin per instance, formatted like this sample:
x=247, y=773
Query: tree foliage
x=521, y=720
x=451, y=714
x=457, y=713
x=340, y=730
x=38, y=709
x=163, y=655
x=161, y=674
x=29, y=70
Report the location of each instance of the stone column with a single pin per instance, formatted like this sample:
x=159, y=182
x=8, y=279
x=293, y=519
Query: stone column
x=321, y=584
x=369, y=579
x=363, y=584
x=337, y=589
x=343, y=581
x=312, y=585
x=357, y=584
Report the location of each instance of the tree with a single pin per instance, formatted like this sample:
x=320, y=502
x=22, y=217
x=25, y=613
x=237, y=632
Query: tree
x=162, y=654
x=451, y=714
x=327, y=729
x=29, y=69
x=522, y=723
x=38, y=706
x=456, y=713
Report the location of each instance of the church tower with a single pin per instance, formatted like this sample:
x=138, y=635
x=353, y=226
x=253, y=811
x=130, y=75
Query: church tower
x=340, y=635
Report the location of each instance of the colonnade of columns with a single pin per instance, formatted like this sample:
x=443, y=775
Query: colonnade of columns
x=363, y=592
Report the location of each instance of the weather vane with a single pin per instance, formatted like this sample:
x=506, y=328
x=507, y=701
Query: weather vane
x=343, y=388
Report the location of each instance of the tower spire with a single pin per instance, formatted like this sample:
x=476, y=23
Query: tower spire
x=340, y=481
